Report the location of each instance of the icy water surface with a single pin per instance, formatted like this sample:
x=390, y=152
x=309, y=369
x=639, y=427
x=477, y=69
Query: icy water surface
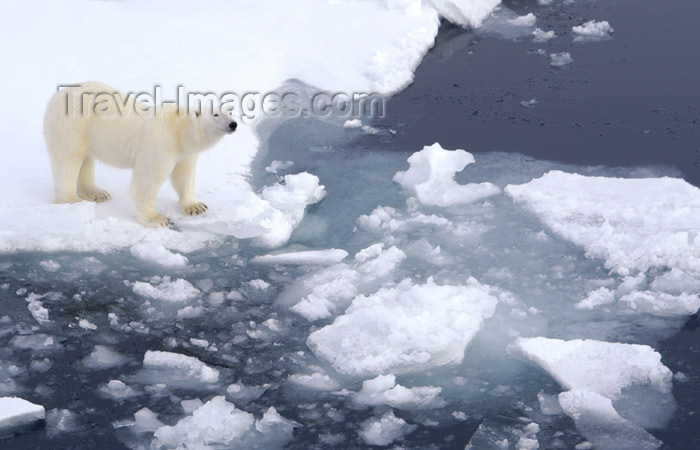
x=439, y=296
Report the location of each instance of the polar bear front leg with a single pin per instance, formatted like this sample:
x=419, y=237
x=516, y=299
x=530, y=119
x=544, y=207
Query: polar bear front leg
x=87, y=189
x=144, y=189
x=182, y=180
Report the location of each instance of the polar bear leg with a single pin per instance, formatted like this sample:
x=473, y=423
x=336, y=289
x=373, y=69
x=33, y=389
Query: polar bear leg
x=144, y=189
x=87, y=189
x=65, y=176
x=182, y=180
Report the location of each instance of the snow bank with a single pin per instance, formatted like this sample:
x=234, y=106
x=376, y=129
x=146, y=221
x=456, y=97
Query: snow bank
x=431, y=178
x=605, y=368
x=597, y=421
x=592, y=31
x=218, y=424
x=382, y=42
x=181, y=367
x=406, y=328
x=384, y=430
x=17, y=414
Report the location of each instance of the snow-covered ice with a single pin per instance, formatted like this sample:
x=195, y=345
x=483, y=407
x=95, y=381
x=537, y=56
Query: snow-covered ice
x=605, y=368
x=384, y=430
x=406, y=328
x=592, y=31
x=560, y=59
x=430, y=178
x=17, y=414
x=180, y=367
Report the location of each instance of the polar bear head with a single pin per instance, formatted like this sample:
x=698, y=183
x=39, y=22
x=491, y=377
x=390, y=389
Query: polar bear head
x=215, y=123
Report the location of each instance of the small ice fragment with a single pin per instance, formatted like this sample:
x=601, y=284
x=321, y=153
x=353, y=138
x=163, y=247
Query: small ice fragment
x=592, y=31
x=50, y=265
x=528, y=20
x=383, y=390
x=353, y=123
x=560, y=59
x=102, y=357
x=316, y=381
x=86, y=325
x=185, y=367
x=384, y=430
x=276, y=166
x=164, y=289
x=539, y=35
x=598, y=297
x=117, y=390
x=309, y=257
x=529, y=103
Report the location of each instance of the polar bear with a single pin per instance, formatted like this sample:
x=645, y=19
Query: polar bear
x=92, y=121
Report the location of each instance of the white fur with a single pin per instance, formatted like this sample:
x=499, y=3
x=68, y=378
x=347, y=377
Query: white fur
x=154, y=146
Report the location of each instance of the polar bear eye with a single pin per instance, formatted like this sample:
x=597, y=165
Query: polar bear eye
x=216, y=115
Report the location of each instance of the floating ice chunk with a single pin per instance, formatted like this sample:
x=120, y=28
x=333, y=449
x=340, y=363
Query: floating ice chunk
x=595, y=298
x=498, y=435
x=612, y=220
x=50, y=265
x=384, y=430
x=61, y=421
x=37, y=309
x=36, y=342
x=145, y=421
x=353, y=123
x=276, y=166
x=190, y=312
x=560, y=59
x=529, y=103
x=117, y=390
x=164, y=289
x=103, y=357
x=383, y=390
x=549, y=404
x=330, y=290
x=259, y=284
x=406, y=328
x=219, y=424
x=661, y=303
x=597, y=420
x=309, y=257
x=431, y=178
x=317, y=381
x=241, y=393
x=592, y=31
x=180, y=366
x=156, y=253
x=18, y=415
x=528, y=20
x=539, y=35
x=676, y=281
x=605, y=368
x=288, y=202
x=86, y=325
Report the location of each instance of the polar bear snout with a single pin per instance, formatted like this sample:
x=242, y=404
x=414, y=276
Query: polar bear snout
x=232, y=126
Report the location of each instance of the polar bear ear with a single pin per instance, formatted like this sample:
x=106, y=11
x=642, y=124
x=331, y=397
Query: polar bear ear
x=196, y=113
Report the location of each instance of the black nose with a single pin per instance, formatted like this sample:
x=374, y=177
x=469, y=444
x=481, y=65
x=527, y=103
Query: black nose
x=233, y=126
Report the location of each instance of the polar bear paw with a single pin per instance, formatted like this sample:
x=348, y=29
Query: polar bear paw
x=195, y=209
x=95, y=195
x=156, y=220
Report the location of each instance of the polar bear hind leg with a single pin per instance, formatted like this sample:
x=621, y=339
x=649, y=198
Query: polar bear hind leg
x=87, y=189
x=144, y=189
